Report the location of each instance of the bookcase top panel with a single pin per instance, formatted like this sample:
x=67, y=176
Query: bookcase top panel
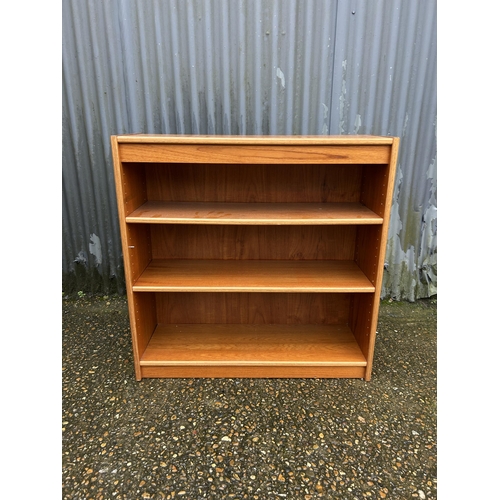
x=255, y=139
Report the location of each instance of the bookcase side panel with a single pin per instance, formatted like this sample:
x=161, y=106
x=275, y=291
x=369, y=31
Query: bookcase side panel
x=130, y=191
x=368, y=251
x=142, y=325
x=374, y=188
x=134, y=186
x=139, y=249
x=363, y=324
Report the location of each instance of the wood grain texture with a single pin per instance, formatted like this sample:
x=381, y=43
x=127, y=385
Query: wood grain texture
x=236, y=140
x=134, y=186
x=374, y=188
x=252, y=276
x=254, y=154
x=252, y=345
x=253, y=308
x=388, y=193
x=248, y=256
x=160, y=212
x=268, y=371
x=140, y=335
x=138, y=250
x=236, y=183
x=360, y=320
x=266, y=242
x=143, y=306
x=368, y=249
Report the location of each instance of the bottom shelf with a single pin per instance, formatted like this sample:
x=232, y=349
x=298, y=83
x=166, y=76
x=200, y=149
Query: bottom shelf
x=242, y=350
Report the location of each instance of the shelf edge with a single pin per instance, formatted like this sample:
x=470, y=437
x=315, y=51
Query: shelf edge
x=253, y=363
x=319, y=140
x=165, y=288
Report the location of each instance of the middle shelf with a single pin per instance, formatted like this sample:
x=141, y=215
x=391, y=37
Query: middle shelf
x=204, y=275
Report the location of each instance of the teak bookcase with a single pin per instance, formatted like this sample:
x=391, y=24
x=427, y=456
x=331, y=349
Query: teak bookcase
x=249, y=256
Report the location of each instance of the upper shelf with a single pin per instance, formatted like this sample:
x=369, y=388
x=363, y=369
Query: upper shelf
x=159, y=212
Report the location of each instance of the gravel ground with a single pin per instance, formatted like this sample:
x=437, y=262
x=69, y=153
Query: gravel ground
x=247, y=438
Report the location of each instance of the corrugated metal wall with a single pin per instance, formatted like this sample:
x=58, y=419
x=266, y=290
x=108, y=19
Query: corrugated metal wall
x=247, y=67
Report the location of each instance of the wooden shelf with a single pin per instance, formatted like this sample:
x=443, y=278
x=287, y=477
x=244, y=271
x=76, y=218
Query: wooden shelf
x=252, y=345
x=161, y=212
x=252, y=276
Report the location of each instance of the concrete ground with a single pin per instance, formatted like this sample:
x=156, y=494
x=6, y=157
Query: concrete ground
x=247, y=438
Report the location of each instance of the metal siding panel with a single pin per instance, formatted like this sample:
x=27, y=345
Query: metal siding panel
x=238, y=67
x=384, y=83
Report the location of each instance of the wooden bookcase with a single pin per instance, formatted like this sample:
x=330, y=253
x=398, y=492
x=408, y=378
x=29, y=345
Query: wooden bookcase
x=250, y=256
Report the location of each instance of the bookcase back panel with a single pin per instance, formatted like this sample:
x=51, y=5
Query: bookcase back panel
x=181, y=241
x=253, y=308
x=254, y=183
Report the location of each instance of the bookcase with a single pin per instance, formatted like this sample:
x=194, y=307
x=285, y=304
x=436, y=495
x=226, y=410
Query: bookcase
x=253, y=256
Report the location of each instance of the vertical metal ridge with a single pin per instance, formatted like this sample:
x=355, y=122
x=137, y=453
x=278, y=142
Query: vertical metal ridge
x=237, y=67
